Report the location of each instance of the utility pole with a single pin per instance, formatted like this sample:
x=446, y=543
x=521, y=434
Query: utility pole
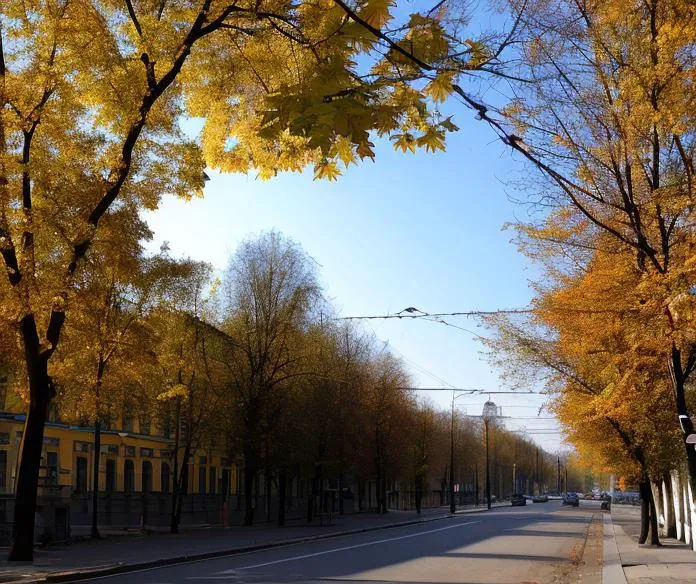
x=537, y=470
x=488, y=471
x=566, y=477
x=476, y=496
x=514, y=481
x=453, y=507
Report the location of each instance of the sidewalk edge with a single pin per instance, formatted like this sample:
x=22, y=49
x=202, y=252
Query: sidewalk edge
x=75, y=575
x=612, y=571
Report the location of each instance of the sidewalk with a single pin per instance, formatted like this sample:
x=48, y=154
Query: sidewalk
x=673, y=563
x=117, y=551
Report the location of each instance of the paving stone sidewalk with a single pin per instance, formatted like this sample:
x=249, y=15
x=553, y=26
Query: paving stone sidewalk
x=135, y=548
x=673, y=563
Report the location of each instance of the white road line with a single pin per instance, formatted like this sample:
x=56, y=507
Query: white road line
x=348, y=547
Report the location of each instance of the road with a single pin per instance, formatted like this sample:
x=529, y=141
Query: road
x=537, y=544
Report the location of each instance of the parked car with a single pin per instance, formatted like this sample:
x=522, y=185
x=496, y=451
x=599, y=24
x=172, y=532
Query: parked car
x=540, y=499
x=518, y=500
x=571, y=499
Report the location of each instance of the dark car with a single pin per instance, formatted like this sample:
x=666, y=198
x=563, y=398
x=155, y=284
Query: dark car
x=518, y=500
x=571, y=499
x=540, y=499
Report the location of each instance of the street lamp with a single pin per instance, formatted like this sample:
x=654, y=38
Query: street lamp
x=490, y=411
x=453, y=506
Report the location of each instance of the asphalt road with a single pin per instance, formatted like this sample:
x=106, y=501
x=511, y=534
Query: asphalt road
x=537, y=544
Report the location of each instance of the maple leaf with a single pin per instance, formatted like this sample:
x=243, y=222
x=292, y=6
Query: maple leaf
x=328, y=170
x=377, y=12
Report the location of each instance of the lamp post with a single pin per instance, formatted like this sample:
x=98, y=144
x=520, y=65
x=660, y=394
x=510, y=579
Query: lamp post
x=453, y=506
x=490, y=411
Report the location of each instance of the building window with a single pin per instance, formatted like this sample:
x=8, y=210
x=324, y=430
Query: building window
x=81, y=446
x=53, y=412
x=184, y=480
x=201, y=480
x=3, y=471
x=147, y=476
x=128, y=477
x=110, y=475
x=3, y=392
x=81, y=475
x=225, y=482
x=164, y=478
x=165, y=423
x=127, y=423
x=4, y=437
x=52, y=468
x=212, y=484
x=146, y=452
x=145, y=424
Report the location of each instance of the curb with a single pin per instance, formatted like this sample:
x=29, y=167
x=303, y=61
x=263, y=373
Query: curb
x=612, y=571
x=76, y=575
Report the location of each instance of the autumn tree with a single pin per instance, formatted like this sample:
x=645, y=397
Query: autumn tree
x=608, y=123
x=191, y=353
x=108, y=355
x=91, y=99
x=269, y=292
x=602, y=361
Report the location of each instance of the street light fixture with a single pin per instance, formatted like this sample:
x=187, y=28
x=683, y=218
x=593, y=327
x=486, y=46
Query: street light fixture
x=453, y=506
x=490, y=412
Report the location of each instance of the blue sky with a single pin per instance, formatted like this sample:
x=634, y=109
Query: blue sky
x=419, y=230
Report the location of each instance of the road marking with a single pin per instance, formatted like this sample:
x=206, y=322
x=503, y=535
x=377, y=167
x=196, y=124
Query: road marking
x=346, y=548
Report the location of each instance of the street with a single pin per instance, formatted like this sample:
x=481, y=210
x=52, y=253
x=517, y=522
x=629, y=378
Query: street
x=539, y=543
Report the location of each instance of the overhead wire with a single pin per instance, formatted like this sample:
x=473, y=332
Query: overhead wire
x=415, y=313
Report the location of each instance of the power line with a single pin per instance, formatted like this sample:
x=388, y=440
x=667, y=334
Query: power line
x=528, y=417
x=414, y=313
x=421, y=368
x=473, y=390
x=540, y=432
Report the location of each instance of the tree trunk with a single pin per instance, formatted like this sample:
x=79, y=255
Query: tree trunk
x=40, y=393
x=685, y=423
x=670, y=523
x=282, y=492
x=383, y=494
x=182, y=480
x=174, y=523
x=267, y=481
x=95, y=479
x=267, y=489
x=249, y=475
x=340, y=493
x=419, y=492
x=645, y=497
x=310, y=501
x=654, y=534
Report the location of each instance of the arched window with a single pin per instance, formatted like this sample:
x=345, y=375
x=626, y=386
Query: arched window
x=164, y=478
x=128, y=477
x=147, y=476
x=110, y=475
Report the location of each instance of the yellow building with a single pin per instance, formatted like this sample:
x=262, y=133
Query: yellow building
x=130, y=460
